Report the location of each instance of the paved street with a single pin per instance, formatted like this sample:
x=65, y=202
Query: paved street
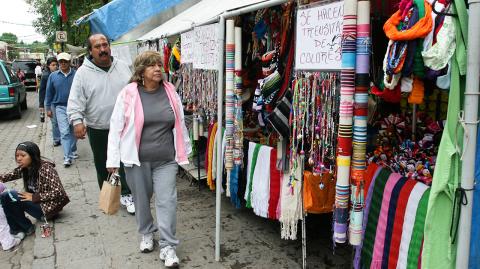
x=84, y=237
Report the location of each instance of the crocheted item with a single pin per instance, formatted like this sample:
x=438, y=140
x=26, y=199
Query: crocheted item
x=419, y=30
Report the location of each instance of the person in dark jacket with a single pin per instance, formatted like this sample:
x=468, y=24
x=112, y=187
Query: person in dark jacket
x=44, y=196
x=52, y=66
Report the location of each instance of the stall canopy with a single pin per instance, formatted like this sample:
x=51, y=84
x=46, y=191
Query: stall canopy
x=204, y=12
x=120, y=16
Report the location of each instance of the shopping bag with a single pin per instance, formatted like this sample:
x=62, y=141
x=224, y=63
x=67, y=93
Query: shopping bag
x=109, y=199
x=318, y=192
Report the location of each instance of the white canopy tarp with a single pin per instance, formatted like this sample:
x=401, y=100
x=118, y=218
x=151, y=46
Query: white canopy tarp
x=201, y=13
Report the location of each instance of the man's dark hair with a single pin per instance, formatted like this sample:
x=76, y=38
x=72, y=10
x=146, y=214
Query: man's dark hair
x=89, y=43
x=51, y=60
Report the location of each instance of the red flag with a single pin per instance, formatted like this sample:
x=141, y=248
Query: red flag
x=63, y=10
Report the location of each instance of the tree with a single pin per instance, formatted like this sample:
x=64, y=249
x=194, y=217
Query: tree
x=46, y=25
x=9, y=38
x=12, y=40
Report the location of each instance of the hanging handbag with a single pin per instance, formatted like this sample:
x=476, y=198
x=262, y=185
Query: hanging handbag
x=279, y=118
x=109, y=199
x=318, y=192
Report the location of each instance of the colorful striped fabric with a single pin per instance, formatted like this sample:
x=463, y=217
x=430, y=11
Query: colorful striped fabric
x=229, y=95
x=344, y=148
x=372, y=220
x=383, y=219
x=394, y=227
x=408, y=223
x=416, y=241
x=372, y=172
x=362, y=81
x=238, y=113
x=394, y=223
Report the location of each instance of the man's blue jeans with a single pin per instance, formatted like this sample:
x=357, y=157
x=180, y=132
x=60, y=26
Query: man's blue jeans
x=69, y=141
x=15, y=211
x=55, y=130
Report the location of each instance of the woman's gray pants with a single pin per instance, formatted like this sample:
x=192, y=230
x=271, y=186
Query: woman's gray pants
x=159, y=178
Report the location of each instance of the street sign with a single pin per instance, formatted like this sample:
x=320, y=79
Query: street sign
x=61, y=36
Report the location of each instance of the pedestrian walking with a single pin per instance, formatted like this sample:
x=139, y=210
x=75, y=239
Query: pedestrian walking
x=44, y=196
x=58, y=89
x=52, y=66
x=38, y=73
x=95, y=87
x=148, y=134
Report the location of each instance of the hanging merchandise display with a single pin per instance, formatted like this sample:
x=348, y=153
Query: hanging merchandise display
x=359, y=148
x=344, y=147
x=229, y=94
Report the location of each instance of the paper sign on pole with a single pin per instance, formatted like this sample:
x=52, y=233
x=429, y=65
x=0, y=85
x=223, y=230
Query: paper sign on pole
x=319, y=37
x=187, y=41
x=206, y=47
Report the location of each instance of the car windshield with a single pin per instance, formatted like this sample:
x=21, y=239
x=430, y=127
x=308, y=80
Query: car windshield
x=25, y=66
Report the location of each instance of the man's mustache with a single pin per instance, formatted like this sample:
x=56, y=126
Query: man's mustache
x=103, y=53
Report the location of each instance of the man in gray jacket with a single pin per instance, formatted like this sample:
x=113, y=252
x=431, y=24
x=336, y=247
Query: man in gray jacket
x=90, y=105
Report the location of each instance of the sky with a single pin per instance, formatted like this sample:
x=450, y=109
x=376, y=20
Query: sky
x=14, y=12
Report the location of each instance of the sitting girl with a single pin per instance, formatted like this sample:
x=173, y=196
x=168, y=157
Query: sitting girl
x=7, y=241
x=44, y=196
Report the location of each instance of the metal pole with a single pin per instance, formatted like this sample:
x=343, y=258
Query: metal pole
x=304, y=231
x=414, y=123
x=470, y=134
x=218, y=182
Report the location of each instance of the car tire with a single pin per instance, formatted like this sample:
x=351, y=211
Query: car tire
x=17, y=112
x=23, y=105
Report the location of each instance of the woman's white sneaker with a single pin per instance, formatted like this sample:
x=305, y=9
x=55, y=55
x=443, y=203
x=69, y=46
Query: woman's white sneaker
x=168, y=255
x=147, y=243
x=127, y=201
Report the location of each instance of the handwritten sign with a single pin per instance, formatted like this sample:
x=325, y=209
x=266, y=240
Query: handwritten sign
x=318, y=39
x=187, y=47
x=206, y=47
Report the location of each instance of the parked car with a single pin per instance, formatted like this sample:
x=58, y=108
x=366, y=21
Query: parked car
x=13, y=96
x=28, y=68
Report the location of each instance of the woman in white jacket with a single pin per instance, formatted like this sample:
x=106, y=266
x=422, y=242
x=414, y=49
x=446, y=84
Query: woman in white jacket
x=148, y=134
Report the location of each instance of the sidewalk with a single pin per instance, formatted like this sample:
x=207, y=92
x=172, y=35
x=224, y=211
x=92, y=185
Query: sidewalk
x=84, y=237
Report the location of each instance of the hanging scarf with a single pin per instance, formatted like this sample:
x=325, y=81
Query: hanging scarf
x=382, y=220
x=366, y=210
x=373, y=214
x=261, y=182
x=408, y=223
x=417, y=235
x=391, y=219
x=211, y=143
x=291, y=208
x=398, y=223
x=234, y=184
x=275, y=175
x=419, y=30
x=253, y=150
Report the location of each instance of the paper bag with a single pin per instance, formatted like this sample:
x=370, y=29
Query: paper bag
x=109, y=199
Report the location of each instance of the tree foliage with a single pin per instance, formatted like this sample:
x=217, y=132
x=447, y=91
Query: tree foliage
x=46, y=24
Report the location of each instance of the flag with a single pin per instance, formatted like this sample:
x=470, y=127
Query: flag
x=63, y=9
x=59, y=10
x=55, y=11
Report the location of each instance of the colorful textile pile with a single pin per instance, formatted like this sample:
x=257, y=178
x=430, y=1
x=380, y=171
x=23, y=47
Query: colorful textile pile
x=362, y=83
x=394, y=222
x=344, y=148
